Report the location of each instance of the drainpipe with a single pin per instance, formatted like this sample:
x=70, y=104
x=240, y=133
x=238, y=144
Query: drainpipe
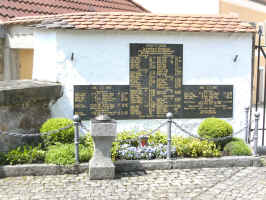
x=2, y=41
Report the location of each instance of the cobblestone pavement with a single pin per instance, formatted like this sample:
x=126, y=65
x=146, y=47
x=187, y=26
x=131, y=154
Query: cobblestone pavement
x=197, y=184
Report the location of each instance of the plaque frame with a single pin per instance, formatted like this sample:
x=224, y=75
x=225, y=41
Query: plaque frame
x=87, y=114
x=222, y=112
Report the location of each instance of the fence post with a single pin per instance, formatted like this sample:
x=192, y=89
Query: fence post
x=76, y=120
x=255, y=137
x=169, y=138
x=247, y=126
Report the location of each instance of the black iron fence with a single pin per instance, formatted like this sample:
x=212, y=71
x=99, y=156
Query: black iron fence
x=260, y=89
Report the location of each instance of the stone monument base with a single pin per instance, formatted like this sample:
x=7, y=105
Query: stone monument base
x=101, y=170
x=101, y=165
x=24, y=107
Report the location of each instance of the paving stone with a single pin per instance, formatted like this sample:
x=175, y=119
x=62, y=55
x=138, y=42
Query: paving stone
x=195, y=184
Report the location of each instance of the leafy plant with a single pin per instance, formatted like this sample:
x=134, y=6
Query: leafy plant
x=157, y=148
x=63, y=136
x=158, y=138
x=215, y=128
x=192, y=147
x=25, y=154
x=237, y=147
x=3, y=158
x=88, y=142
x=64, y=154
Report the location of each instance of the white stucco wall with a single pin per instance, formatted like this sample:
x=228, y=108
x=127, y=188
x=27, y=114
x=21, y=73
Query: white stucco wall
x=44, y=58
x=181, y=6
x=19, y=37
x=102, y=57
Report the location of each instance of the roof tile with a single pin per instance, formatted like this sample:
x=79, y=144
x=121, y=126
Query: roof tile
x=136, y=21
x=19, y=8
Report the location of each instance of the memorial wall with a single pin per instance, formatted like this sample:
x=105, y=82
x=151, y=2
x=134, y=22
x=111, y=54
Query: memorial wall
x=156, y=88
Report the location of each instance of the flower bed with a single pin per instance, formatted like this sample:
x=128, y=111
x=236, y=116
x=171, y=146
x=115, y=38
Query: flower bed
x=59, y=148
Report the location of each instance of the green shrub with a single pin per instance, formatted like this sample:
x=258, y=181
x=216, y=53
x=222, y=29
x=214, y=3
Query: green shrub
x=215, y=128
x=3, y=158
x=237, y=147
x=87, y=141
x=131, y=138
x=192, y=147
x=64, y=136
x=25, y=154
x=64, y=154
x=158, y=138
x=114, y=151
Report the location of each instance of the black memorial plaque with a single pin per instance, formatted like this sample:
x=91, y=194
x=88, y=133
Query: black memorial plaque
x=93, y=100
x=202, y=101
x=155, y=80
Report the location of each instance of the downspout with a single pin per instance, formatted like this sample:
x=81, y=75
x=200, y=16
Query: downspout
x=258, y=66
x=252, y=80
x=2, y=41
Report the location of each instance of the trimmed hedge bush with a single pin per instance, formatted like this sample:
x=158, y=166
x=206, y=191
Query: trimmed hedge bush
x=64, y=154
x=237, y=147
x=215, y=128
x=64, y=136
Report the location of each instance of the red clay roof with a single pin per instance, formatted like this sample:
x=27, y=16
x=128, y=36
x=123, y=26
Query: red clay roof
x=20, y=8
x=137, y=22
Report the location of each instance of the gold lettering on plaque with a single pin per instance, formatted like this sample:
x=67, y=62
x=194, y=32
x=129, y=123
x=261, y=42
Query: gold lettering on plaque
x=155, y=80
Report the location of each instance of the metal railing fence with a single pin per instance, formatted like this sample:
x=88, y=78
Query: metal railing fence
x=169, y=123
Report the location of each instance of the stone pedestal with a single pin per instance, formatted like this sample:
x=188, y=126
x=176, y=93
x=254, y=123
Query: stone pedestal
x=103, y=132
x=24, y=104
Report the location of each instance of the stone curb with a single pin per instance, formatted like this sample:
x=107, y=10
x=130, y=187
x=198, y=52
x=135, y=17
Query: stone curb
x=132, y=165
x=188, y=163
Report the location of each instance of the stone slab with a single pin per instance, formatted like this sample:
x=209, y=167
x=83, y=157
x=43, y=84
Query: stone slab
x=102, y=173
x=13, y=139
x=19, y=92
x=25, y=104
x=105, y=129
x=41, y=170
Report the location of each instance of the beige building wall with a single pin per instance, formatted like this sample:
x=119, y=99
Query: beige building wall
x=25, y=59
x=245, y=14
